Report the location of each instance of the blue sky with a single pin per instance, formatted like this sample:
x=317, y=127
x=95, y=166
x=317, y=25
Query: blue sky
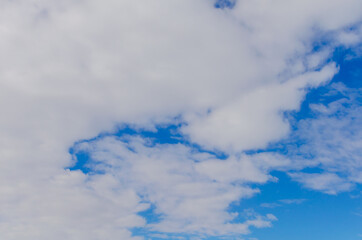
x=183, y=119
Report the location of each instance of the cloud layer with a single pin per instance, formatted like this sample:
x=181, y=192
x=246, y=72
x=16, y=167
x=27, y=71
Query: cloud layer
x=70, y=70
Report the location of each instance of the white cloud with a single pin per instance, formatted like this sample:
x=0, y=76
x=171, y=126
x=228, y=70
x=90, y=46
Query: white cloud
x=333, y=142
x=72, y=69
x=254, y=119
x=192, y=194
x=282, y=202
x=69, y=206
x=326, y=182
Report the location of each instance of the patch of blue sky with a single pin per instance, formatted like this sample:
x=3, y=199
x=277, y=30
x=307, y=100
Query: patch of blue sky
x=225, y=4
x=81, y=161
x=163, y=134
x=151, y=216
x=316, y=216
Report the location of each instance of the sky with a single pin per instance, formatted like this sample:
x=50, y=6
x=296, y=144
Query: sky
x=183, y=119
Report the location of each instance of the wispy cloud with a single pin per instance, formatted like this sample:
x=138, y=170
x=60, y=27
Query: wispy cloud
x=282, y=202
x=333, y=142
x=358, y=214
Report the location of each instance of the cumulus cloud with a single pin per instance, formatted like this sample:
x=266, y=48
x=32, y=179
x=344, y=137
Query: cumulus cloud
x=190, y=190
x=70, y=70
x=241, y=124
x=71, y=205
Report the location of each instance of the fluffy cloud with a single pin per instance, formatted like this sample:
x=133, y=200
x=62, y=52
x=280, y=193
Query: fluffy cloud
x=72, y=69
x=190, y=190
x=241, y=125
x=69, y=205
